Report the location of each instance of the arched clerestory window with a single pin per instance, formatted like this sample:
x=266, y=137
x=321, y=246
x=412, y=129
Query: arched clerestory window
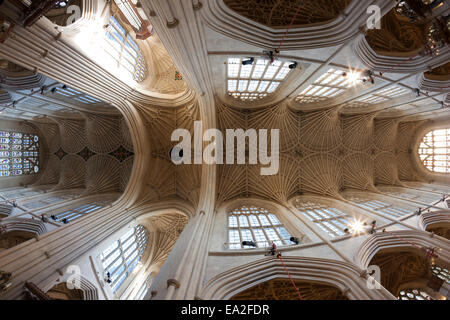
x=332, y=221
x=123, y=52
x=78, y=212
x=122, y=256
x=19, y=153
x=255, y=81
x=434, y=151
x=250, y=223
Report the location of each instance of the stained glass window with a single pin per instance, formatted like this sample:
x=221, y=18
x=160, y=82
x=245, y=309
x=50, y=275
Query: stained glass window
x=434, y=151
x=19, y=153
x=124, y=52
x=123, y=256
x=414, y=294
x=255, y=224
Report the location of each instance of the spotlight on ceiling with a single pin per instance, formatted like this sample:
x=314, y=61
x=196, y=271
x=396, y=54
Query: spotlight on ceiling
x=293, y=65
x=249, y=244
x=295, y=240
x=248, y=61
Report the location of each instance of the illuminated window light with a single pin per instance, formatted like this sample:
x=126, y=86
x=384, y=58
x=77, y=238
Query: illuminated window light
x=258, y=225
x=123, y=53
x=121, y=258
x=330, y=220
x=261, y=78
x=434, y=151
x=383, y=95
x=330, y=84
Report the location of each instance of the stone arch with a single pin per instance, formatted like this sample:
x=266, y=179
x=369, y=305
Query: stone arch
x=18, y=230
x=436, y=222
x=61, y=290
x=401, y=240
x=340, y=275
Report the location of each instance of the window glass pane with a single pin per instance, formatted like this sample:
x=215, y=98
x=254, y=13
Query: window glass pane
x=435, y=147
x=19, y=154
x=122, y=257
x=124, y=52
x=249, y=228
x=244, y=81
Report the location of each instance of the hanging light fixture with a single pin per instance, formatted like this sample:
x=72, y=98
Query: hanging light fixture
x=438, y=35
x=404, y=9
x=415, y=10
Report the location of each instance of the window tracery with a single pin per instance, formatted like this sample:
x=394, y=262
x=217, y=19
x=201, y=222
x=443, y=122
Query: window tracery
x=434, y=151
x=19, y=153
x=76, y=213
x=255, y=224
x=331, y=84
x=123, y=255
x=123, y=52
x=331, y=220
x=390, y=210
x=255, y=81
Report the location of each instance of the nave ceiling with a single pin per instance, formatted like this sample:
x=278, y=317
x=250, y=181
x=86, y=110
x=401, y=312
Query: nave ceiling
x=327, y=144
x=120, y=141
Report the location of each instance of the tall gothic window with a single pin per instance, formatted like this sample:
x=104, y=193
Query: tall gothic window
x=434, y=151
x=122, y=257
x=255, y=224
x=76, y=213
x=331, y=84
x=124, y=52
x=331, y=220
x=420, y=196
x=389, y=210
x=144, y=288
x=19, y=153
x=254, y=81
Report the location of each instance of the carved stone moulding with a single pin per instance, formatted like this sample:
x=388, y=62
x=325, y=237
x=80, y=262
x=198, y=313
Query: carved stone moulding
x=414, y=64
x=397, y=38
x=436, y=80
x=319, y=23
x=279, y=14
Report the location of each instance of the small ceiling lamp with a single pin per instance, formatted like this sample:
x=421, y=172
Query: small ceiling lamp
x=248, y=61
x=293, y=65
